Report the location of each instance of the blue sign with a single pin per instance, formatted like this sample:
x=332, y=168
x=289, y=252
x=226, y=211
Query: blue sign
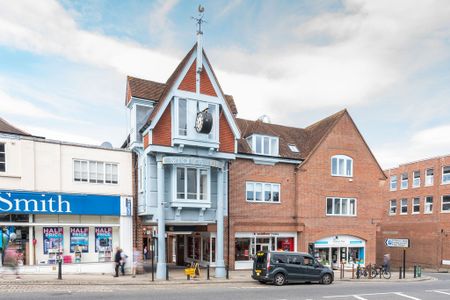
x=58, y=203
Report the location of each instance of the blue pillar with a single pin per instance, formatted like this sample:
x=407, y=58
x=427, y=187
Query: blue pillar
x=161, y=263
x=220, y=264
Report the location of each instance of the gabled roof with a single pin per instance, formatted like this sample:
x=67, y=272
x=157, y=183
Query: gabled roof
x=306, y=139
x=145, y=89
x=5, y=127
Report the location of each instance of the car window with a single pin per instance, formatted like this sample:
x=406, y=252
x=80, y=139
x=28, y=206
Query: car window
x=308, y=261
x=278, y=259
x=295, y=259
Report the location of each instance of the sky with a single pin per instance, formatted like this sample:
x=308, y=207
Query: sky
x=63, y=64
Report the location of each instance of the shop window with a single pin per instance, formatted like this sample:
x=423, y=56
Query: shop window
x=446, y=203
x=429, y=177
x=393, y=184
x=2, y=158
x=392, y=207
x=416, y=206
x=446, y=175
x=428, y=204
x=95, y=172
x=261, y=144
x=404, y=181
x=341, y=165
x=285, y=244
x=262, y=192
x=404, y=207
x=192, y=183
x=416, y=179
x=242, y=249
x=341, y=207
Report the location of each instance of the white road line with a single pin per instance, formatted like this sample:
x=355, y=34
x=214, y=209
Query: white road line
x=406, y=296
x=359, y=297
x=441, y=292
x=348, y=296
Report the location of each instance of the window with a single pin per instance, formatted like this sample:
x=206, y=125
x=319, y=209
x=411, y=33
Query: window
x=95, y=172
x=263, y=192
x=416, y=179
x=261, y=144
x=192, y=183
x=293, y=148
x=341, y=165
x=446, y=175
x=182, y=117
x=341, y=207
x=429, y=177
x=393, y=207
x=2, y=158
x=404, y=181
x=429, y=205
x=416, y=206
x=393, y=183
x=446, y=203
x=404, y=207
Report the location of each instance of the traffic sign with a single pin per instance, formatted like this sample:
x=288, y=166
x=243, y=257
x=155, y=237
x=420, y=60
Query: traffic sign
x=397, y=243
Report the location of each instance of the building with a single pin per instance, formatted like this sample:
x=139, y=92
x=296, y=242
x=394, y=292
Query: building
x=184, y=135
x=417, y=207
x=313, y=189
x=68, y=199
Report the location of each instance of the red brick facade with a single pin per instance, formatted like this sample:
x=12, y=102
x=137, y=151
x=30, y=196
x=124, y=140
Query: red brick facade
x=428, y=231
x=188, y=82
x=206, y=86
x=162, y=133
x=226, y=138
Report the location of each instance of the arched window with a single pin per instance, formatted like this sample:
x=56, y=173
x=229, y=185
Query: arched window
x=341, y=165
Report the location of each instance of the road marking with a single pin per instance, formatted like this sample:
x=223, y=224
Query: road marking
x=359, y=297
x=406, y=296
x=441, y=292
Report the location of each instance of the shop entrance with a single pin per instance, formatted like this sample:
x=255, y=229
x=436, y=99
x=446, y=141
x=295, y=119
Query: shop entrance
x=346, y=249
x=16, y=240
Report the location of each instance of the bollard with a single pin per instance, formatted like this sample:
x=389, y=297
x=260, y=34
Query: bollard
x=400, y=273
x=415, y=271
x=228, y=273
x=381, y=270
x=167, y=272
x=419, y=271
x=358, y=271
x=353, y=271
x=60, y=269
x=207, y=272
x=370, y=271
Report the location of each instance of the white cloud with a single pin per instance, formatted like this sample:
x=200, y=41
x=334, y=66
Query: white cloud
x=15, y=106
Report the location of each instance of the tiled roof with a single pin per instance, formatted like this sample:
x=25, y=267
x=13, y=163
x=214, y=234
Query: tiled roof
x=306, y=139
x=5, y=127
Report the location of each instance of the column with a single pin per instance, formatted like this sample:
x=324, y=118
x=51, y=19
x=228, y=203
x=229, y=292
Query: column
x=30, y=242
x=161, y=264
x=220, y=264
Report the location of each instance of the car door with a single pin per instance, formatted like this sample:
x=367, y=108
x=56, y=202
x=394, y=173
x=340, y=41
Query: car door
x=310, y=268
x=293, y=266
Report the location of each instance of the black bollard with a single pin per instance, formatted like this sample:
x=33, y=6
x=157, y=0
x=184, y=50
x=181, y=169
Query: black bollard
x=59, y=269
x=358, y=271
x=167, y=272
x=415, y=271
x=228, y=274
x=400, y=273
x=207, y=272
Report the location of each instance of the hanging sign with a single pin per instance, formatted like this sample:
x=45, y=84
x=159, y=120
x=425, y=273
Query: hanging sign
x=103, y=238
x=79, y=239
x=53, y=238
x=397, y=243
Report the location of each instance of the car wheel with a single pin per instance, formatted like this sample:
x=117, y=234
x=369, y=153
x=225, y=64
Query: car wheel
x=326, y=279
x=279, y=279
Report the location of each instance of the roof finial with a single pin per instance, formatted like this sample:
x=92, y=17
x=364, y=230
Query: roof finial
x=199, y=20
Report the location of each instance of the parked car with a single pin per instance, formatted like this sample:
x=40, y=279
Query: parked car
x=280, y=268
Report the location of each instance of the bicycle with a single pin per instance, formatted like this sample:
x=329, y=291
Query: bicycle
x=381, y=270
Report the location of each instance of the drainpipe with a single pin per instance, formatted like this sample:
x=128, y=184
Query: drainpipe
x=228, y=217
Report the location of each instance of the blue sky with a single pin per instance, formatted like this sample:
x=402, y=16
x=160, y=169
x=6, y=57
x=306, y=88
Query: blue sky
x=63, y=64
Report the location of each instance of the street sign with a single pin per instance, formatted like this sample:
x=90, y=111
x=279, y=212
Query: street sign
x=397, y=243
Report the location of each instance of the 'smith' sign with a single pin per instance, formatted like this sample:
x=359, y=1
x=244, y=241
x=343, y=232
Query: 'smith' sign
x=58, y=203
x=397, y=243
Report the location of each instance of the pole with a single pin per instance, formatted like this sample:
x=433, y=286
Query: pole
x=404, y=263
x=161, y=263
x=207, y=272
x=59, y=269
x=153, y=259
x=400, y=273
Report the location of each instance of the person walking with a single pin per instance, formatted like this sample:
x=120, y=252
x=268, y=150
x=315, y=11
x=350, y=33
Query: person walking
x=123, y=261
x=145, y=253
x=117, y=260
x=387, y=262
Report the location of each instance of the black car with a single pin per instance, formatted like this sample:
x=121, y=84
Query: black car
x=283, y=267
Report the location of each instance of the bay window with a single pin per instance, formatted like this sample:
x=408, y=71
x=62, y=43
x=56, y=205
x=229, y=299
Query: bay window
x=192, y=183
x=341, y=206
x=341, y=165
x=262, y=192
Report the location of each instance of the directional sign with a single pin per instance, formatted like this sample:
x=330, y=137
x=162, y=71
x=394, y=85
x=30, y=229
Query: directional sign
x=397, y=243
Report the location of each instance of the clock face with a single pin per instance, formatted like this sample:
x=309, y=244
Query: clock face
x=203, y=122
x=199, y=122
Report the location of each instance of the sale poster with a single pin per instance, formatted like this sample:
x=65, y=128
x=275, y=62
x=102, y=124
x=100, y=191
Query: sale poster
x=79, y=239
x=103, y=238
x=53, y=238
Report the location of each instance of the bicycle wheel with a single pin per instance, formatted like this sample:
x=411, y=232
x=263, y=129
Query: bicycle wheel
x=373, y=273
x=386, y=274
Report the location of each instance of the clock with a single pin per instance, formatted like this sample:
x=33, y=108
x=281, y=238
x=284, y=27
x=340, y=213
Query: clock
x=203, y=122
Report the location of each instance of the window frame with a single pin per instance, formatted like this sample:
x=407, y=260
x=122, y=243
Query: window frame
x=88, y=165
x=414, y=185
x=4, y=159
x=401, y=206
x=391, y=181
x=198, y=175
x=414, y=205
x=293, y=148
x=251, y=140
x=333, y=201
x=428, y=176
x=427, y=204
x=391, y=213
x=442, y=178
x=346, y=158
x=442, y=204
x=263, y=191
x=402, y=180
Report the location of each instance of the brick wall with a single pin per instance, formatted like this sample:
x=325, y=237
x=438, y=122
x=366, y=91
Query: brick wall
x=137, y=224
x=206, y=86
x=188, y=82
x=162, y=133
x=226, y=138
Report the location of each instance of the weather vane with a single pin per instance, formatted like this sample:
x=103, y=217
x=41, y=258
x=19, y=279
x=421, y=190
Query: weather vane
x=199, y=20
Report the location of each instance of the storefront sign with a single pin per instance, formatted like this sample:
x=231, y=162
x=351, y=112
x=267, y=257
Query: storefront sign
x=53, y=238
x=183, y=160
x=103, y=238
x=58, y=203
x=79, y=239
x=397, y=243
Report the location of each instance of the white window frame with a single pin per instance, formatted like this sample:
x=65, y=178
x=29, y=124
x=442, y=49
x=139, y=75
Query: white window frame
x=272, y=139
x=403, y=180
x=88, y=178
x=263, y=191
x=338, y=159
x=401, y=206
x=448, y=178
x=4, y=154
x=341, y=214
x=429, y=179
x=392, y=201
x=414, y=205
x=415, y=180
x=428, y=206
x=185, y=199
x=392, y=180
x=442, y=204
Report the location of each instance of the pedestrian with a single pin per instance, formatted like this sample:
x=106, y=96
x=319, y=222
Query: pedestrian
x=11, y=261
x=123, y=261
x=145, y=253
x=387, y=262
x=117, y=259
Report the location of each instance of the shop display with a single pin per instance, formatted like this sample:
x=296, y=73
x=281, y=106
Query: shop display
x=53, y=239
x=103, y=238
x=79, y=239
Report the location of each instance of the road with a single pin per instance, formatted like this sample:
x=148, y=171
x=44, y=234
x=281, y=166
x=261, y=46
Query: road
x=435, y=290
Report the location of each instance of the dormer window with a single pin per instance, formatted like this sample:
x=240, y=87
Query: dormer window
x=293, y=148
x=341, y=165
x=262, y=144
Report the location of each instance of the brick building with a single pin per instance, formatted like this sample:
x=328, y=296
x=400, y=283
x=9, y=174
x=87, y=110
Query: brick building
x=312, y=189
x=417, y=206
